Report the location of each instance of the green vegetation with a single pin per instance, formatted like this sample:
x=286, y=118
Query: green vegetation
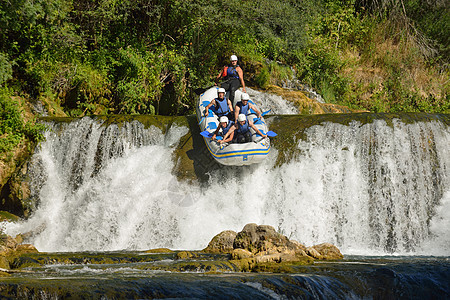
x=13, y=129
x=145, y=57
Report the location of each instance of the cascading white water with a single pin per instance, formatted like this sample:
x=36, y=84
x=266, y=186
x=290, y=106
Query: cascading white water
x=369, y=189
x=275, y=103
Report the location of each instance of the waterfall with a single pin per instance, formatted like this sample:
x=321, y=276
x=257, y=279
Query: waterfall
x=371, y=189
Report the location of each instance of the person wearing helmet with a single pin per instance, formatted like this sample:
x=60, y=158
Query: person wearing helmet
x=223, y=130
x=242, y=132
x=222, y=105
x=244, y=106
x=234, y=77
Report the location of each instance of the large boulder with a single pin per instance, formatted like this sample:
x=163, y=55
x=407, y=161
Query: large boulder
x=328, y=251
x=222, y=243
x=260, y=248
x=265, y=240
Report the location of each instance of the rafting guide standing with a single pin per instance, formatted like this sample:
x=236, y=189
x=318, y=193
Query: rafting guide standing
x=234, y=77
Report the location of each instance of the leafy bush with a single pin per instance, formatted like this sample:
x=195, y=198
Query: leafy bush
x=5, y=68
x=13, y=129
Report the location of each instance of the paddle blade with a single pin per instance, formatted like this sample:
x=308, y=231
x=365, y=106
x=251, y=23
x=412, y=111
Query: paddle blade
x=206, y=134
x=265, y=113
x=271, y=133
x=201, y=120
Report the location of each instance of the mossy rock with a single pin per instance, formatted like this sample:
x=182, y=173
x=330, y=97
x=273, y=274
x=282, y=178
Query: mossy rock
x=186, y=255
x=244, y=265
x=160, y=250
x=222, y=242
x=7, y=216
x=4, y=263
x=4, y=274
x=283, y=267
x=206, y=266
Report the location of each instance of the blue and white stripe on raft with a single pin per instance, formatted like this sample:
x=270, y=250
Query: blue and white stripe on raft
x=232, y=154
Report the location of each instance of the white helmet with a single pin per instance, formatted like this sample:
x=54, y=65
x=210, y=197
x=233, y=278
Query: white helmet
x=233, y=57
x=245, y=96
x=242, y=117
x=221, y=90
x=223, y=119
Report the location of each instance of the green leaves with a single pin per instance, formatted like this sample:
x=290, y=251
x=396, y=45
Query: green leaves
x=13, y=129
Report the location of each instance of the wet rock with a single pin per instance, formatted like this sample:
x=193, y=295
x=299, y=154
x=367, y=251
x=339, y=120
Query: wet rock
x=186, y=255
x=159, y=250
x=241, y=254
x=4, y=263
x=10, y=248
x=313, y=253
x=264, y=239
x=222, y=243
x=328, y=251
x=26, y=248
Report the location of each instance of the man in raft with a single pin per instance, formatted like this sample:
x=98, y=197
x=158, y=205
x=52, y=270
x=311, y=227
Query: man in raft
x=234, y=77
x=223, y=130
x=243, y=107
x=241, y=130
x=223, y=106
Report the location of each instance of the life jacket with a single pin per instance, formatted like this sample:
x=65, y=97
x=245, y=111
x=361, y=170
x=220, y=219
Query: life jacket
x=222, y=106
x=244, y=109
x=232, y=73
x=225, y=130
x=242, y=129
x=224, y=73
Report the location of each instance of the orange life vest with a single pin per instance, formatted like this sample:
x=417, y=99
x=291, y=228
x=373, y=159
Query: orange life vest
x=224, y=73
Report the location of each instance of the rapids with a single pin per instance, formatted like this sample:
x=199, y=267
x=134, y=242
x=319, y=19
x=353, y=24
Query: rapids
x=376, y=188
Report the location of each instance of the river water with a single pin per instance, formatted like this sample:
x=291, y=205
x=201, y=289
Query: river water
x=378, y=191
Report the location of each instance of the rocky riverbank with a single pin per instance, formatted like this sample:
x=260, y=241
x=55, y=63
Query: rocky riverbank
x=260, y=248
x=257, y=248
x=11, y=249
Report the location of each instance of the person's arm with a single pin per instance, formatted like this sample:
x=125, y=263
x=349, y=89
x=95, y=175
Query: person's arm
x=241, y=78
x=215, y=134
x=227, y=136
x=258, y=113
x=208, y=106
x=230, y=105
x=236, y=113
x=257, y=130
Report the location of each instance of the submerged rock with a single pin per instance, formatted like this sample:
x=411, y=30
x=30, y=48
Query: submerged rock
x=160, y=250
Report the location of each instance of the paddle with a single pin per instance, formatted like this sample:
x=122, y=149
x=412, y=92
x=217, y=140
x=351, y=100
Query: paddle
x=269, y=134
x=262, y=115
x=209, y=135
x=206, y=134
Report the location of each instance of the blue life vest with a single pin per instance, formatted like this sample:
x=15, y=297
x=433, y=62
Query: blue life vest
x=225, y=130
x=222, y=108
x=242, y=129
x=232, y=73
x=244, y=109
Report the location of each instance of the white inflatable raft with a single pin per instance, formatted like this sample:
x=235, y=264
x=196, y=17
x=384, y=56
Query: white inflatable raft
x=232, y=154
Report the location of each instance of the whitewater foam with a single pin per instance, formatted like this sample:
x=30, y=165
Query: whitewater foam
x=371, y=189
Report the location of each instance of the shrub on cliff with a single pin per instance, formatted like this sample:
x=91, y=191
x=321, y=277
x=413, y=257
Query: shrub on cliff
x=13, y=128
